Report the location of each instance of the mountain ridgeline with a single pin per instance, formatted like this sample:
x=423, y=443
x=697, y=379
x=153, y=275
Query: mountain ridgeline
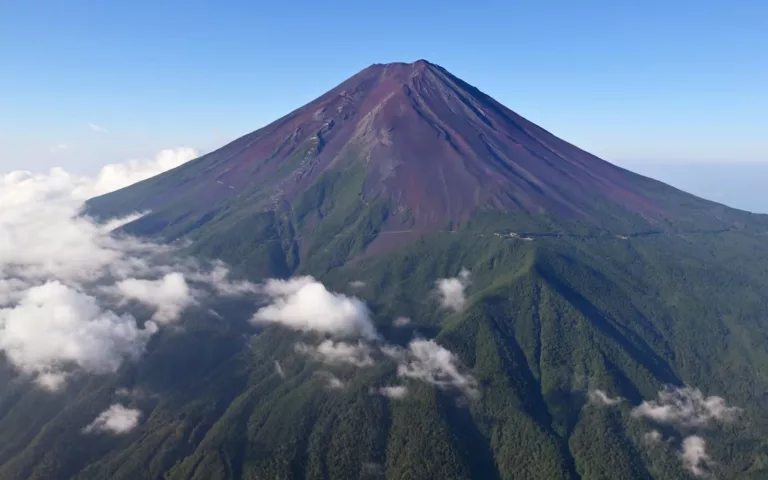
x=591, y=289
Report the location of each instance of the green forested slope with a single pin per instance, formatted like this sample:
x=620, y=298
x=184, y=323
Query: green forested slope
x=547, y=322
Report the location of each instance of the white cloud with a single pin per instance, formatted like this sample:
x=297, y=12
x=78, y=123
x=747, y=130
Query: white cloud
x=51, y=381
x=59, y=147
x=695, y=457
x=356, y=284
x=279, y=369
x=133, y=393
x=117, y=420
x=599, y=397
x=303, y=303
x=686, y=407
x=115, y=176
x=401, y=322
x=358, y=355
x=334, y=383
x=54, y=326
x=218, y=277
x=451, y=290
x=42, y=234
x=169, y=295
x=429, y=362
x=97, y=128
x=397, y=392
x=64, y=278
x=393, y=351
x=654, y=436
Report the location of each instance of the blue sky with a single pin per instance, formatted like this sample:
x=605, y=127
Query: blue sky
x=647, y=81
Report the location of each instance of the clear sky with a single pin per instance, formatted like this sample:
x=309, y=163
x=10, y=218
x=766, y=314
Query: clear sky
x=83, y=83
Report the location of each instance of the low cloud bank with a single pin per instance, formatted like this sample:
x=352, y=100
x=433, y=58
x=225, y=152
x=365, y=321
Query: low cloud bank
x=116, y=420
x=53, y=324
x=68, y=285
x=65, y=279
x=451, y=290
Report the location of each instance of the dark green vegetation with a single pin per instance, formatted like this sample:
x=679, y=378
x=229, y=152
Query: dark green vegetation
x=547, y=320
x=664, y=288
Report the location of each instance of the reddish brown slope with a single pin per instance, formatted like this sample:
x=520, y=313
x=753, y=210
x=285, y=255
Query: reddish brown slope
x=428, y=142
x=435, y=145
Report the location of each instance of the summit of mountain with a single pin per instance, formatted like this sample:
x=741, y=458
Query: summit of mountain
x=416, y=150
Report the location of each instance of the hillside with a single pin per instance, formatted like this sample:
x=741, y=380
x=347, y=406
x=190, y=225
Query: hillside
x=512, y=308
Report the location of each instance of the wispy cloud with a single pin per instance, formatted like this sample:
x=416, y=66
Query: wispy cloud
x=97, y=128
x=169, y=295
x=654, y=436
x=401, y=322
x=431, y=363
x=334, y=383
x=687, y=410
x=599, y=397
x=59, y=147
x=396, y=392
x=331, y=352
x=451, y=290
x=279, y=369
x=117, y=420
x=115, y=176
x=136, y=393
x=695, y=457
x=686, y=407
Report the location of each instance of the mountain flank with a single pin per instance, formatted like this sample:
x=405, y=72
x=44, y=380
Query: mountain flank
x=412, y=149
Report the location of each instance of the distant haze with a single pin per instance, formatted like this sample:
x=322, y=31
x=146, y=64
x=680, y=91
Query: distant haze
x=738, y=185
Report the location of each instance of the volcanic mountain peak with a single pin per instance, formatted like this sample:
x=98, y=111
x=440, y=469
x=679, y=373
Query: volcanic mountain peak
x=424, y=150
x=418, y=65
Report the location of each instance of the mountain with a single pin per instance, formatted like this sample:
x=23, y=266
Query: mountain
x=396, y=151
x=603, y=325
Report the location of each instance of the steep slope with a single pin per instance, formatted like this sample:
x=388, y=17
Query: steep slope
x=408, y=147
